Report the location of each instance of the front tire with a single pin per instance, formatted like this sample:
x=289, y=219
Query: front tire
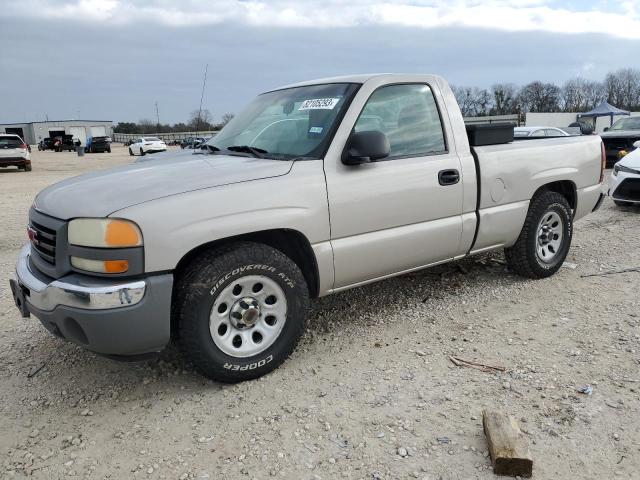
x=545, y=238
x=141, y=152
x=240, y=310
x=130, y=152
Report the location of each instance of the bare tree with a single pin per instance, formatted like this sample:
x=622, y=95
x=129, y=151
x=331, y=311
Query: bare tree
x=505, y=99
x=623, y=88
x=146, y=125
x=226, y=118
x=540, y=97
x=473, y=101
x=580, y=95
x=200, y=120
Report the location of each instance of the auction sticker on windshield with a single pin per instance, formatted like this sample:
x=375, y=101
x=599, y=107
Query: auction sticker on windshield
x=319, y=104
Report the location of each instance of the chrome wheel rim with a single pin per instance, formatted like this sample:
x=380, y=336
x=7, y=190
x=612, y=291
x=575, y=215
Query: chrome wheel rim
x=248, y=316
x=549, y=240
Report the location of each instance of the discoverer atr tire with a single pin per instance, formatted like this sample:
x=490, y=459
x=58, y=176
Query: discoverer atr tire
x=545, y=238
x=240, y=310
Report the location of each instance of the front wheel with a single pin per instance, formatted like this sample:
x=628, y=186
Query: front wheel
x=545, y=238
x=130, y=152
x=141, y=151
x=240, y=310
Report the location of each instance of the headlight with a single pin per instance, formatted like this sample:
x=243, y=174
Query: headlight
x=621, y=168
x=104, y=233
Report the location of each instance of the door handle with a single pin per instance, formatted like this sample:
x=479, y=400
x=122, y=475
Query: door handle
x=448, y=177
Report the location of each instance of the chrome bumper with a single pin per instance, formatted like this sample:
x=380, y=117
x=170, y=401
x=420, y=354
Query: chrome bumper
x=76, y=290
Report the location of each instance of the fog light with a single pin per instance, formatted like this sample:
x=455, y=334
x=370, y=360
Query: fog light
x=100, y=266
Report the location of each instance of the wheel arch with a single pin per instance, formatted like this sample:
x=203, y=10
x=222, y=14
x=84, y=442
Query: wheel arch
x=292, y=243
x=566, y=188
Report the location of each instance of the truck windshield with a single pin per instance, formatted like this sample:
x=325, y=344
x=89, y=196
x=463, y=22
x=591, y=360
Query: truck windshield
x=290, y=123
x=632, y=123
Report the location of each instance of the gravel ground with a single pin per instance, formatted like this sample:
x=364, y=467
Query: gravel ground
x=369, y=394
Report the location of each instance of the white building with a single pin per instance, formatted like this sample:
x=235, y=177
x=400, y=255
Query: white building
x=33, y=132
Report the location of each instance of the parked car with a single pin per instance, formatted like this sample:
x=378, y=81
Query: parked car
x=620, y=137
x=98, y=144
x=519, y=132
x=144, y=145
x=14, y=152
x=45, y=144
x=192, y=142
x=624, y=186
x=294, y=199
x=64, y=142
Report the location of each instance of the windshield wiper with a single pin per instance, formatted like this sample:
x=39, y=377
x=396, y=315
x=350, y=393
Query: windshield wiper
x=255, y=151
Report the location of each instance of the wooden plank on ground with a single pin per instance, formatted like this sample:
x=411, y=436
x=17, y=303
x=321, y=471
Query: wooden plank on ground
x=508, y=447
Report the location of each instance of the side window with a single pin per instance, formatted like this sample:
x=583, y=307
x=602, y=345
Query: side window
x=408, y=116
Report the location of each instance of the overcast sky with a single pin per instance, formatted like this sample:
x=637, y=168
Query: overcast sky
x=112, y=59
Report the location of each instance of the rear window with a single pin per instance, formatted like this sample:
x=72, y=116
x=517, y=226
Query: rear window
x=9, y=141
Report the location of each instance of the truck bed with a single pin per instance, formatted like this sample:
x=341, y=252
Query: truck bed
x=509, y=174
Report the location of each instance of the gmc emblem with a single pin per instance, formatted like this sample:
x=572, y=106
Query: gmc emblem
x=33, y=235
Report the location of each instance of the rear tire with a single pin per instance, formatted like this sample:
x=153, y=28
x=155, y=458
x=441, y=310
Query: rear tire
x=130, y=152
x=240, y=310
x=545, y=238
x=141, y=152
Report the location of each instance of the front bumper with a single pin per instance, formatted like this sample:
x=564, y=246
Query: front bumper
x=625, y=187
x=109, y=316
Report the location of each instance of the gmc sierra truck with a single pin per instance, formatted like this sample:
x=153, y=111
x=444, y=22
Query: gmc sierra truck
x=313, y=189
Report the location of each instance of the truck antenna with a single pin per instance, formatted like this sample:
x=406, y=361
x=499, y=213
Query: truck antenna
x=206, y=67
x=157, y=118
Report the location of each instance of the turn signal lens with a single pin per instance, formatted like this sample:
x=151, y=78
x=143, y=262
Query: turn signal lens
x=100, y=266
x=121, y=233
x=104, y=233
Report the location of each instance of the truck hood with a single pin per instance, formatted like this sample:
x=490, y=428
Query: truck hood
x=99, y=194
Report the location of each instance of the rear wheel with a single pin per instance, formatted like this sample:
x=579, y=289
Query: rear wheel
x=130, y=152
x=240, y=310
x=141, y=151
x=545, y=238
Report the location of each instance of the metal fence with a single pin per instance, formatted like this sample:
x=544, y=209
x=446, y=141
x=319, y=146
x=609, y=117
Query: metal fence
x=167, y=137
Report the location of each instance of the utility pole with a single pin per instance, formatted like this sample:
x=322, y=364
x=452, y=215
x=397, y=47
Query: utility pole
x=158, y=118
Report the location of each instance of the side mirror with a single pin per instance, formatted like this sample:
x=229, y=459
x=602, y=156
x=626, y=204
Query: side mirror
x=606, y=129
x=636, y=144
x=365, y=147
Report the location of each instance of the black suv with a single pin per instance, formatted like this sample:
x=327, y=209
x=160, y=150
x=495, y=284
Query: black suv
x=98, y=144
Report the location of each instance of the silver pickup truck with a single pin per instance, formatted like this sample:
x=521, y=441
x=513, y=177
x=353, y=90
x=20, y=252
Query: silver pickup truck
x=314, y=188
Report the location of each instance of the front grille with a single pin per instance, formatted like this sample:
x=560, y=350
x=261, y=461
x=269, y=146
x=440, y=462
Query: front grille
x=43, y=240
x=619, y=143
x=629, y=189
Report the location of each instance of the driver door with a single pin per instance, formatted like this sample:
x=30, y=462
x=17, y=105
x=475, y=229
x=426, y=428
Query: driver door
x=399, y=213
